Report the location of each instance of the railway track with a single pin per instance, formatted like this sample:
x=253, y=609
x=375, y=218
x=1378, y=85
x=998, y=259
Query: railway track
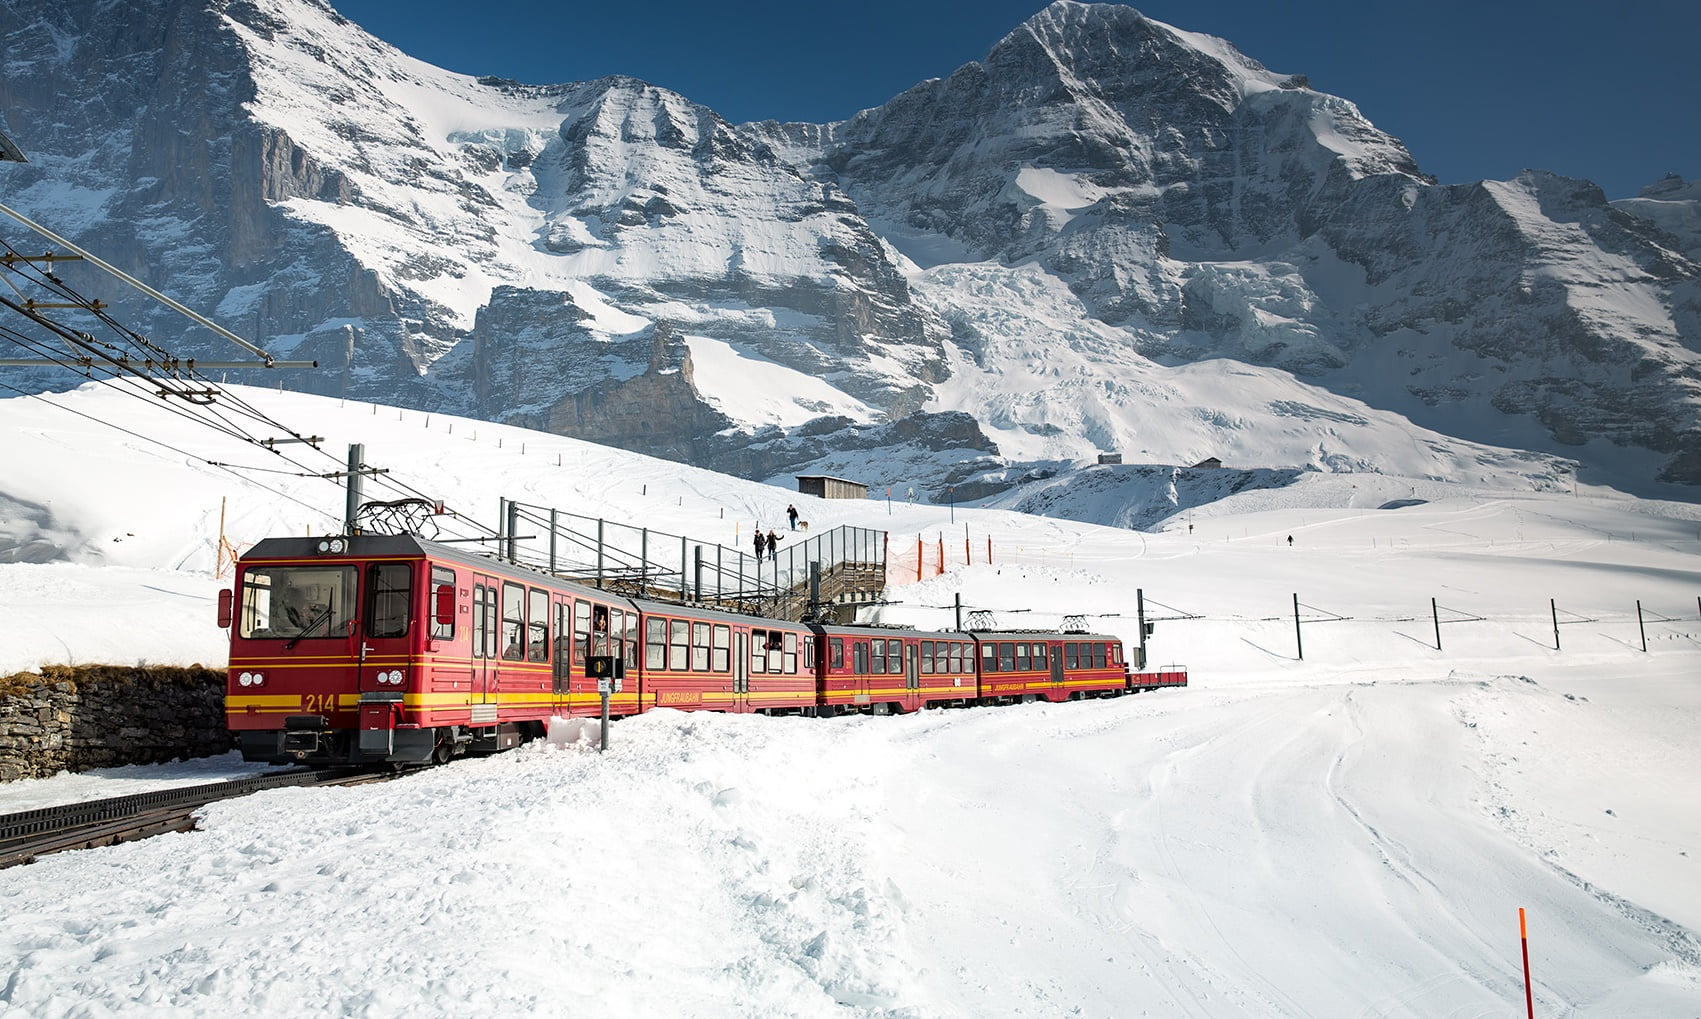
x=29, y=834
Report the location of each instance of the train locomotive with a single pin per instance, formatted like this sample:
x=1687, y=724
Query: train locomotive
x=399, y=650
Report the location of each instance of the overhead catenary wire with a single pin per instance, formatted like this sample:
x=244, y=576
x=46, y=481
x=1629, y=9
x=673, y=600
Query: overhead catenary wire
x=211, y=405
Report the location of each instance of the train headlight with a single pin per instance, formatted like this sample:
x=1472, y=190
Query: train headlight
x=246, y=679
x=396, y=676
x=259, y=679
x=335, y=546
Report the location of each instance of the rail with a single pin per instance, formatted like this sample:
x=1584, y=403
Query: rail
x=29, y=834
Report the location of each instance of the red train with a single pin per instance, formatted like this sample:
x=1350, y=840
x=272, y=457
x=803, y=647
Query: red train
x=381, y=648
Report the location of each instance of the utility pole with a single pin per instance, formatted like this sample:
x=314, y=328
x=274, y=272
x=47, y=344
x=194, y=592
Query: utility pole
x=1140, y=613
x=356, y=470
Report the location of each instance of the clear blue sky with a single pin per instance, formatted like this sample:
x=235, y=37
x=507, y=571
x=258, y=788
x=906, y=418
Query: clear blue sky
x=1477, y=90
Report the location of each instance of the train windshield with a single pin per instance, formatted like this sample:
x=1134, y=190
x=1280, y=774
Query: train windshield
x=297, y=602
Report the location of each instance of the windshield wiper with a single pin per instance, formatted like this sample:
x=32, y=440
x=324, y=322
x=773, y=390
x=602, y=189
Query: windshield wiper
x=323, y=617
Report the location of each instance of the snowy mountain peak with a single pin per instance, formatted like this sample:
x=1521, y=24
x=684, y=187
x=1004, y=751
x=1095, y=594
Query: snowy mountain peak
x=1052, y=240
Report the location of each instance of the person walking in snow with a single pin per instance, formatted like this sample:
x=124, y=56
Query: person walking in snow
x=1290, y=541
x=773, y=546
x=791, y=513
x=761, y=543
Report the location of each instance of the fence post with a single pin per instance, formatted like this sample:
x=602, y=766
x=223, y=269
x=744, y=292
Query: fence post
x=918, y=558
x=1641, y=625
x=1524, y=941
x=553, y=514
x=1298, y=639
x=1435, y=613
x=1555, y=610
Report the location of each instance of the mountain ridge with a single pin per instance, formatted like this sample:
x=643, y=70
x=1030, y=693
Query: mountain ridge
x=520, y=252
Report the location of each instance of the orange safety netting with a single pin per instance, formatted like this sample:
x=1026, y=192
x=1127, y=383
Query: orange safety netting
x=909, y=564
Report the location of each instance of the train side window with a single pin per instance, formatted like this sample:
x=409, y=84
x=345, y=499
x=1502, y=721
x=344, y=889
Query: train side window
x=655, y=643
x=441, y=578
x=895, y=657
x=789, y=647
x=481, y=622
x=1071, y=657
x=537, y=625
x=809, y=654
x=1021, y=658
x=1006, y=656
x=836, y=653
x=581, y=631
x=957, y=656
x=389, y=593
x=989, y=657
x=614, y=631
x=758, y=651
x=492, y=622
x=721, y=657
x=700, y=647
x=631, y=639
x=513, y=622
x=927, y=657
x=1116, y=654
x=879, y=661
x=679, y=644
x=1098, y=655
x=1042, y=655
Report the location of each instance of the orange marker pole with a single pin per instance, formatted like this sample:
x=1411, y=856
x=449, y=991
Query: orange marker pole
x=1524, y=937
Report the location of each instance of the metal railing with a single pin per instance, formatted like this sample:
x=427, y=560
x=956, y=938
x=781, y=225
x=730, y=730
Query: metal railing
x=671, y=567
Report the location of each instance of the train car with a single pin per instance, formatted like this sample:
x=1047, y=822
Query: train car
x=384, y=648
x=1167, y=676
x=890, y=670
x=695, y=658
x=392, y=649
x=1024, y=665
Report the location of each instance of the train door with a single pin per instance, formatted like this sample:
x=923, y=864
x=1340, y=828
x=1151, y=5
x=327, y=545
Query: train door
x=561, y=667
x=740, y=669
x=912, y=673
x=487, y=593
x=380, y=645
x=1056, y=664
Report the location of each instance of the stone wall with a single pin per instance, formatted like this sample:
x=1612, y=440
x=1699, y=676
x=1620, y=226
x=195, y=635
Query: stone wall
x=71, y=718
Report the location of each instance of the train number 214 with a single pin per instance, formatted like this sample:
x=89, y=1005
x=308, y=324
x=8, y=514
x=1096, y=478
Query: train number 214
x=319, y=703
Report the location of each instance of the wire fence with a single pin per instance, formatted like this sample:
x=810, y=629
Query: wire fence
x=927, y=558
x=1630, y=628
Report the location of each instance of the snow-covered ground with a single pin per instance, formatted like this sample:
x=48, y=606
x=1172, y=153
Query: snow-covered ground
x=1347, y=833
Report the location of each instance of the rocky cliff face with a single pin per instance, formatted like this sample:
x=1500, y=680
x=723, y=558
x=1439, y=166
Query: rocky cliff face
x=549, y=255
x=1213, y=208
